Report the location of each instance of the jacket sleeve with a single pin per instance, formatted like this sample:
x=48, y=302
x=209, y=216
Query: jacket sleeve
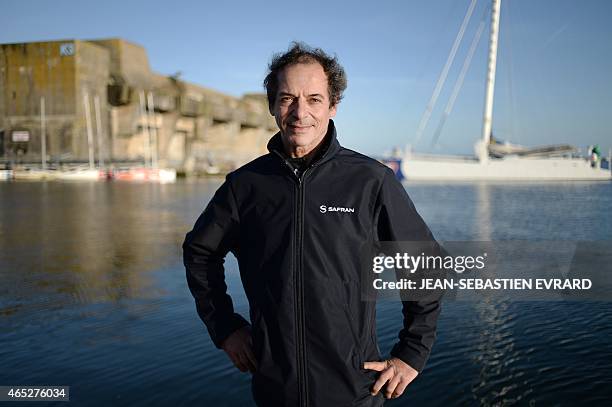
x=204, y=250
x=398, y=220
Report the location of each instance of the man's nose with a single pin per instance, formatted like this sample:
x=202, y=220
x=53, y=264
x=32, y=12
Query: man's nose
x=300, y=110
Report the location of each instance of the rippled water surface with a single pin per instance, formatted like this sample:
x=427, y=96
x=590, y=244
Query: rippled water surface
x=93, y=295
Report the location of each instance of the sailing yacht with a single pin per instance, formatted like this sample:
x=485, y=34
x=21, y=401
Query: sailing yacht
x=494, y=160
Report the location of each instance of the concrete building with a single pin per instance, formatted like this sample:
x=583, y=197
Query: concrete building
x=101, y=99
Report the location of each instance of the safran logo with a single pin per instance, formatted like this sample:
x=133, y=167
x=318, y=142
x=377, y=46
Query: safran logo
x=325, y=208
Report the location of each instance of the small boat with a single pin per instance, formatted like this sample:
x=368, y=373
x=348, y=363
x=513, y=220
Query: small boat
x=6, y=175
x=34, y=174
x=212, y=170
x=81, y=174
x=161, y=175
x=395, y=164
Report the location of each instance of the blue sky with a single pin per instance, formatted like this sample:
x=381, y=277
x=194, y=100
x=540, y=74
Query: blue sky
x=553, y=79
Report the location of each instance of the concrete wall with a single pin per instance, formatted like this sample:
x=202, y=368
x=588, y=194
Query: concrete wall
x=195, y=127
x=28, y=73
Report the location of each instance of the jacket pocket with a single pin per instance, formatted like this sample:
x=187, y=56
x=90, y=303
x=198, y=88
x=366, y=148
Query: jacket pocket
x=357, y=358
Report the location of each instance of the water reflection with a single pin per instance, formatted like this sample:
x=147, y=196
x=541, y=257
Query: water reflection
x=483, y=210
x=83, y=243
x=496, y=356
x=93, y=295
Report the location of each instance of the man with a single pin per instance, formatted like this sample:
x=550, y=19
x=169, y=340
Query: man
x=298, y=220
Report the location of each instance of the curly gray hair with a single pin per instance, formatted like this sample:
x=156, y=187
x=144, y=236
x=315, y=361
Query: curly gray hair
x=300, y=52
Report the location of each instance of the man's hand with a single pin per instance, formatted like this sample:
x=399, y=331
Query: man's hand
x=239, y=348
x=396, y=372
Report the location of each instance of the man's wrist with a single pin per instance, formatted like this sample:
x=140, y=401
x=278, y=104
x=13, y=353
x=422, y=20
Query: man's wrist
x=234, y=323
x=412, y=358
x=402, y=364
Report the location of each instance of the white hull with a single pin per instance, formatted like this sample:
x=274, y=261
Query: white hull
x=6, y=175
x=81, y=175
x=162, y=175
x=34, y=174
x=450, y=168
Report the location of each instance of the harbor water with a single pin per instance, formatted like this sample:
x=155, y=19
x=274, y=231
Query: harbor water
x=93, y=296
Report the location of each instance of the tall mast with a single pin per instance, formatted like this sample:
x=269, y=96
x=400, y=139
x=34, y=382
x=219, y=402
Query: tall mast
x=153, y=131
x=43, y=134
x=89, y=130
x=490, y=88
x=144, y=119
x=98, y=129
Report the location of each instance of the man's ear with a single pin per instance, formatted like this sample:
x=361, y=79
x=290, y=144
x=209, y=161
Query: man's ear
x=333, y=110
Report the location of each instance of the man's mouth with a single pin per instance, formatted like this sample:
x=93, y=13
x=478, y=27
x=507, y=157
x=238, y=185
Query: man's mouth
x=299, y=126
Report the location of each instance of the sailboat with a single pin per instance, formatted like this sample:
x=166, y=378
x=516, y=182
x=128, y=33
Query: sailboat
x=151, y=170
x=90, y=172
x=495, y=160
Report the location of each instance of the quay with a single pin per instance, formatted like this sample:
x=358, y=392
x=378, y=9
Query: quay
x=71, y=106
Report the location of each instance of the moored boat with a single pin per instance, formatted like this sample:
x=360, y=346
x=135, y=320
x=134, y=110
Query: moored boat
x=493, y=159
x=161, y=175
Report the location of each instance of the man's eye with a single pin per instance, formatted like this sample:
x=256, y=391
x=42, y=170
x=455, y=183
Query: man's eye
x=316, y=100
x=286, y=99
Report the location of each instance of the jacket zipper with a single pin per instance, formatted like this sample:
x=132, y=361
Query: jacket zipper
x=299, y=288
x=299, y=285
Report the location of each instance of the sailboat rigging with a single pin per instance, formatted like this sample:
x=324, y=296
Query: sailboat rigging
x=494, y=159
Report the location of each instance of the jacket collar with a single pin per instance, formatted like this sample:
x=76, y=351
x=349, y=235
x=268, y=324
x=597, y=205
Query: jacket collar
x=275, y=145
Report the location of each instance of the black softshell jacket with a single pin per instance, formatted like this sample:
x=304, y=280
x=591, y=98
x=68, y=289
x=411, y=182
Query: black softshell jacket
x=299, y=263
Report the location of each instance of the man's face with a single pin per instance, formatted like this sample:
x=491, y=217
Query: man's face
x=302, y=108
